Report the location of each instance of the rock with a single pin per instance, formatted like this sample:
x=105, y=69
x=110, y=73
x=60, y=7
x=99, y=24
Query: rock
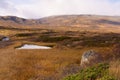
x=5, y=39
x=90, y=58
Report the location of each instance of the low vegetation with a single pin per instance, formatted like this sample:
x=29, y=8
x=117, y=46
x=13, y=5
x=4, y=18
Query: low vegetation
x=45, y=38
x=102, y=40
x=58, y=63
x=25, y=34
x=98, y=72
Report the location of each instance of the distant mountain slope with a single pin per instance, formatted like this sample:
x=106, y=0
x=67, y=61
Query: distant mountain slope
x=17, y=20
x=65, y=20
x=76, y=21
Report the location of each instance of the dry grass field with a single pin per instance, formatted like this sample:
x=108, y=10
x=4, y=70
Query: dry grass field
x=39, y=64
x=56, y=63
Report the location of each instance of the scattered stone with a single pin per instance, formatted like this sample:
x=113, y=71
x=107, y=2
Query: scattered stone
x=5, y=39
x=90, y=58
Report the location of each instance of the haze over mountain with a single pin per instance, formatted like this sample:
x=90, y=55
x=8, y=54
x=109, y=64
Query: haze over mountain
x=42, y=8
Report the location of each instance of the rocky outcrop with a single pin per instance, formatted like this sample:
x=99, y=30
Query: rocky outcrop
x=90, y=58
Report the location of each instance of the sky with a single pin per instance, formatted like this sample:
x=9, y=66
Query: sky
x=43, y=8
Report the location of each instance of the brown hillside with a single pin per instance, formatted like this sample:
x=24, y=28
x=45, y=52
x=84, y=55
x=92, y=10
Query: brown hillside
x=66, y=22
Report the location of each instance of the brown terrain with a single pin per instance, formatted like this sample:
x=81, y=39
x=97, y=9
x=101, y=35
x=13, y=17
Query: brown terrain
x=66, y=22
x=68, y=35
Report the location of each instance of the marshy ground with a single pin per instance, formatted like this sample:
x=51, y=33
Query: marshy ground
x=56, y=63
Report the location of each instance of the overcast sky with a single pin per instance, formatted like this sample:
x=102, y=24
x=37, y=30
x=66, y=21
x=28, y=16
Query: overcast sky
x=42, y=8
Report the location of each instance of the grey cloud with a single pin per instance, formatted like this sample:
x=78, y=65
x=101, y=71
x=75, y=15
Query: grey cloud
x=4, y=4
x=7, y=7
x=42, y=8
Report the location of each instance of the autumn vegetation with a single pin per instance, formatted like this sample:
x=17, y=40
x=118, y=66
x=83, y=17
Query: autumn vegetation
x=62, y=62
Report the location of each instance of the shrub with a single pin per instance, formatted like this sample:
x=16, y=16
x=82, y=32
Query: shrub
x=98, y=72
x=101, y=40
x=25, y=34
x=107, y=77
x=45, y=38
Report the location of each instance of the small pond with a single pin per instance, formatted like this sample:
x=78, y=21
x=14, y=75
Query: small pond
x=31, y=46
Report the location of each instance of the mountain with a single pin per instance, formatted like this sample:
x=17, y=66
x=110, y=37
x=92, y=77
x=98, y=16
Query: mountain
x=63, y=21
x=16, y=20
x=77, y=20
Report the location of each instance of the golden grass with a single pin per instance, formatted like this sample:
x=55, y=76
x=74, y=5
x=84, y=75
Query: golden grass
x=115, y=69
x=38, y=64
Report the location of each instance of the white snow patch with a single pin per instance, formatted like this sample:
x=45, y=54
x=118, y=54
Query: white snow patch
x=30, y=46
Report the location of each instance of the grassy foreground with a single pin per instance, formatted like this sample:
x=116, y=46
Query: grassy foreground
x=41, y=64
x=59, y=62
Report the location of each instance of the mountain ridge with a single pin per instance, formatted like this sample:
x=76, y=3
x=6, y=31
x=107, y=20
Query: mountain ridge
x=21, y=20
x=89, y=22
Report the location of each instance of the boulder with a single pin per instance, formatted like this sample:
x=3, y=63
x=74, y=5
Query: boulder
x=90, y=58
x=5, y=39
